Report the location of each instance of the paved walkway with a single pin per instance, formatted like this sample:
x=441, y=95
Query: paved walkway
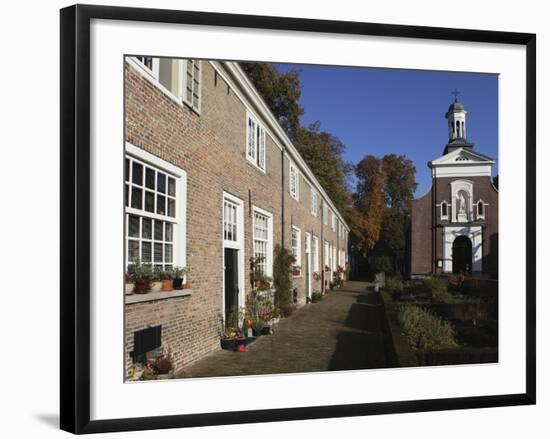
x=342, y=332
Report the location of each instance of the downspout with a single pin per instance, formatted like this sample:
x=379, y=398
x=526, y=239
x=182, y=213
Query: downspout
x=322, y=245
x=283, y=197
x=434, y=222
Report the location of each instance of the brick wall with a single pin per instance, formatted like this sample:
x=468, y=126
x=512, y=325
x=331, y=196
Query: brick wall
x=210, y=147
x=421, y=225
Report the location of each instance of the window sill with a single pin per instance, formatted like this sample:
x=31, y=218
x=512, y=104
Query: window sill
x=161, y=295
x=253, y=163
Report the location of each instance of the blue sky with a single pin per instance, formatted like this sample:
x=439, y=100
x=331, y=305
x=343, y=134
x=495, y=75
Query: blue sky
x=380, y=111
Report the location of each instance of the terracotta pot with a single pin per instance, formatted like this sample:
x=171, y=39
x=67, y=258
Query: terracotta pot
x=167, y=285
x=142, y=287
x=185, y=286
x=156, y=286
x=258, y=283
x=129, y=287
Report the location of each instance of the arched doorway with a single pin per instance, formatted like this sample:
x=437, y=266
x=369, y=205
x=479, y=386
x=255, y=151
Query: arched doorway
x=462, y=255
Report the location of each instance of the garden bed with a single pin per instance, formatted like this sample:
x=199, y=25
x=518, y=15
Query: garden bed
x=474, y=325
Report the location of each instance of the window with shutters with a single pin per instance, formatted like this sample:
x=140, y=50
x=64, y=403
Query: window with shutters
x=154, y=205
x=294, y=182
x=180, y=79
x=255, y=142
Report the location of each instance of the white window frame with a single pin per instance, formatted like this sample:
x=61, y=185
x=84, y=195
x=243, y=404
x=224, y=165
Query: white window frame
x=325, y=213
x=326, y=255
x=313, y=202
x=484, y=204
x=152, y=75
x=269, y=242
x=315, y=253
x=296, y=250
x=237, y=245
x=294, y=182
x=183, y=71
x=444, y=217
x=333, y=222
x=257, y=155
x=179, y=241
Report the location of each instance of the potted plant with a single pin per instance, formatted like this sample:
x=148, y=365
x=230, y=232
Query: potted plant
x=317, y=296
x=148, y=373
x=179, y=272
x=156, y=282
x=296, y=270
x=266, y=283
x=316, y=275
x=167, y=278
x=141, y=275
x=163, y=365
x=257, y=277
x=327, y=268
x=128, y=283
x=230, y=333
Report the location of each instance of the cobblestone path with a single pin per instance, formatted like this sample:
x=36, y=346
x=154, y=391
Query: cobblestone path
x=342, y=332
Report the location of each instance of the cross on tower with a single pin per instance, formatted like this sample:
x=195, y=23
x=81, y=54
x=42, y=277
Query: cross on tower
x=455, y=93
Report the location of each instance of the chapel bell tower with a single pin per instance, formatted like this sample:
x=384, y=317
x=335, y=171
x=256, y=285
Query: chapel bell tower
x=456, y=119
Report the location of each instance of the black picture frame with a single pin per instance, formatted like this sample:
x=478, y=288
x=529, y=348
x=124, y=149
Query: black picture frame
x=75, y=217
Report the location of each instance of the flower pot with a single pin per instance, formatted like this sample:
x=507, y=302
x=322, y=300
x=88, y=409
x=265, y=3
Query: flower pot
x=258, y=283
x=177, y=283
x=156, y=286
x=129, y=287
x=185, y=286
x=167, y=285
x=142, y=287
x=228, y=343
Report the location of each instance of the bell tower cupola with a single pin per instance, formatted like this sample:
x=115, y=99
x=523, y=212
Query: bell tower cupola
x=456, y=120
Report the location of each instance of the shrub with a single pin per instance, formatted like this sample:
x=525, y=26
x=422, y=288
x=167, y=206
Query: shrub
x=438, y=289
x=424, y=331
x=382, y=263
x=282, y=281
x=394, y=285
x=316, y=297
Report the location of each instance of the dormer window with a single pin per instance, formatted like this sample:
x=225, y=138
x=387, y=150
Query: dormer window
x=444, y=210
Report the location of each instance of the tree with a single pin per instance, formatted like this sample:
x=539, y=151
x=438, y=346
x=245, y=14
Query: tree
x=280, y=91
x=282, y=269
x=322, y=152
x=369, y=200
x=400, y=182
x=393, y=228
x=384, y=193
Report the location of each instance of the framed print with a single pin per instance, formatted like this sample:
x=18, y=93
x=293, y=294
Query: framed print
x=339, y=213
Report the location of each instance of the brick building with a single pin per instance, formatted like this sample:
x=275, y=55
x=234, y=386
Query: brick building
x=211, y=180
x=454, y=226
